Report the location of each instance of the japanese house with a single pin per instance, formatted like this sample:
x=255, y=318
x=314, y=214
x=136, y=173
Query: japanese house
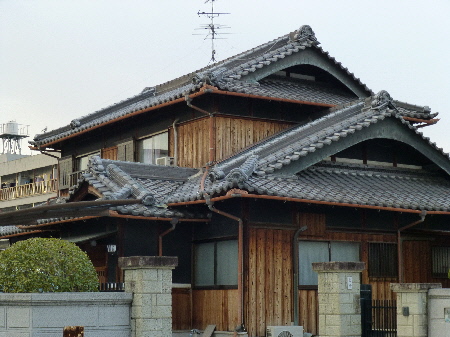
x=249, y=170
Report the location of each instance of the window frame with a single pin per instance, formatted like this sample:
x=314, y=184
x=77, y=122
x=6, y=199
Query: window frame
x=140, y=141
x=85, y=156
x=329, y=243
x=215, y=286
x=440, y=261
x=374, y=269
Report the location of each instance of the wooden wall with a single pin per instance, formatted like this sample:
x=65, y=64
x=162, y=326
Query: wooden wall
x=268, y=276
x=181, y=309
x=231, y=134
x=418, y=263
x=308, y=310
x=269, y=279
x=317, y=231
x=217, y=307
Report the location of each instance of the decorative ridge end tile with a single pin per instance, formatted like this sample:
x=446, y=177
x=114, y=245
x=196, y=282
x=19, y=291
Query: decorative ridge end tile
x=304, y=35
x=242, y=173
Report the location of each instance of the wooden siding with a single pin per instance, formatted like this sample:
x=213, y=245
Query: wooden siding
x=181, y=309
x=231, y=134
x=109, y=153
x=317, y=231
x=308, y=310
x=418, y=262
x=217, y=307
x=269, y=279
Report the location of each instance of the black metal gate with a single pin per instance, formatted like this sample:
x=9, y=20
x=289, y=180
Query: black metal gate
x=378, y=317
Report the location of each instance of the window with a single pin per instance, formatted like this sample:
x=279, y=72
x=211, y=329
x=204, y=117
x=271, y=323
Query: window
x=215, y=264
x=440, y=257
x=383, y=260
x=82, y=162
x=149, y=149
x=323, y=251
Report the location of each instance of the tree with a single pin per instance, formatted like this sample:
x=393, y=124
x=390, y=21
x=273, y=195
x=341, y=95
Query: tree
x=46, y=265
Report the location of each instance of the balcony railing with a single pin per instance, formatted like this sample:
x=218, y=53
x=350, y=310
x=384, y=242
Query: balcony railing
x=73, y=178
x=28, y=190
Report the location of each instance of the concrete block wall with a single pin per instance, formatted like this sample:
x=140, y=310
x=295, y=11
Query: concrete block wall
x=412, y=308
x=439, y=313
x=149, y=278
x=339, y=298
x=46, y=315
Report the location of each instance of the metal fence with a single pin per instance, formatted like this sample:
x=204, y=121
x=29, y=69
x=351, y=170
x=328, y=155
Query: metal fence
x=384, y=318
x=111, y=286
x=378, y=317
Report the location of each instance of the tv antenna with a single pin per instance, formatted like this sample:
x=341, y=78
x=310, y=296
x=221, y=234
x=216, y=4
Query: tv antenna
x=212, y=27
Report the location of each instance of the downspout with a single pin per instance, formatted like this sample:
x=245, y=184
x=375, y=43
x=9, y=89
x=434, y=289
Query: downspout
x=210, y=204
x=173, y=222
x=175, y=142
x=295, y=268
x=400, y=248
x=211, y=126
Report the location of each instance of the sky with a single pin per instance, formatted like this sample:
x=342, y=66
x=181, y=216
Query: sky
x=63, y=59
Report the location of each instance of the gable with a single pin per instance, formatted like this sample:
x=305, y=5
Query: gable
x=311, y=64
x=302, y=146
x=386, y=129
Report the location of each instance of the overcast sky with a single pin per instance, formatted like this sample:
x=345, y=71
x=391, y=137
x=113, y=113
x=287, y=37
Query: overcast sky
x=62, y=59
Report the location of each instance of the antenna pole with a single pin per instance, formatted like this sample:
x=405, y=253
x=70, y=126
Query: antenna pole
x=212, y=27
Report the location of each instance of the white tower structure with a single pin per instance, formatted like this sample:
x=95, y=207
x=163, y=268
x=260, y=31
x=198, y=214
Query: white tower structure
x=11, y=134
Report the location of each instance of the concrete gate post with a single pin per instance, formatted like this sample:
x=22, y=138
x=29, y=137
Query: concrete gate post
x=339, y=298
x=149, y=278
x=412, y=316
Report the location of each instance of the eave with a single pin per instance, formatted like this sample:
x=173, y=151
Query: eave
x=305, y=201
x=206, y=89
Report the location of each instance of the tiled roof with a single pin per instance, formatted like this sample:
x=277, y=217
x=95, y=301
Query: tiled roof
x=257, y=170
x=360, y=185
x=10, y=230
x=296, y=142
x=227, y=74
x=307, y=91
x=126, y=180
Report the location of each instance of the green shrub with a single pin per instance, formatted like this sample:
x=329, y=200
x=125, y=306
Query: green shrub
x=46, y=265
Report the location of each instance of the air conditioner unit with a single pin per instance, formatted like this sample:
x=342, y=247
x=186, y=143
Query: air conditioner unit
x=164, y=161
x=284, y=331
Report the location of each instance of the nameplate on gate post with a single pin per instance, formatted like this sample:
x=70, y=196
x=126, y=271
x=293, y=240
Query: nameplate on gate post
x=73, y=331
x=349, y=282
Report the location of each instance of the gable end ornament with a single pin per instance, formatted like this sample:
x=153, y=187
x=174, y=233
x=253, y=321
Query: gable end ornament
x=381, y=100
x=304, y=35
x=242, y=173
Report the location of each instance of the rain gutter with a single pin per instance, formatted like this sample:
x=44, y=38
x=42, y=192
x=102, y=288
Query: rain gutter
x=175, y=101
x=114, y=214
x=204, y=90
x=19, y=234
x=57, y=222
x=307, y=201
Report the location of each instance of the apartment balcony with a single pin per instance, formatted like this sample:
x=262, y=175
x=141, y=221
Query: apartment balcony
x=29, y=190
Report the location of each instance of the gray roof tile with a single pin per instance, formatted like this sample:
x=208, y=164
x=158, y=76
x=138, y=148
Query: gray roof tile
x=221, y=74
